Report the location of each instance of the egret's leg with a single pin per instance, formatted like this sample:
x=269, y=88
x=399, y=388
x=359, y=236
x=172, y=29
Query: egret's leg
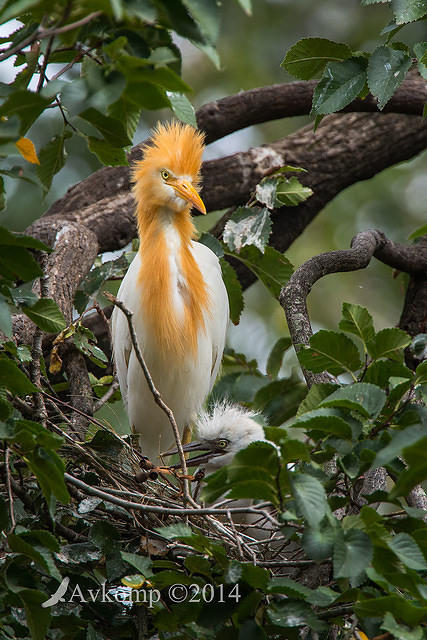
x=186, y=436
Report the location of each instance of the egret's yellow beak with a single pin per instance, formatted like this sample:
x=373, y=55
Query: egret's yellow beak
x=185, y=190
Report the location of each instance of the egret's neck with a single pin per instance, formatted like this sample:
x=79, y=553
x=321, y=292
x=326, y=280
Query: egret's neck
x=174, y=294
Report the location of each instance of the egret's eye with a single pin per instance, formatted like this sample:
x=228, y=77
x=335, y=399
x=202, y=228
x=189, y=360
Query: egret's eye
x=165, y=174
x=222, y=444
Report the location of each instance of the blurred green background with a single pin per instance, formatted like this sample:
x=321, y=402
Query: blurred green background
x=251, y=49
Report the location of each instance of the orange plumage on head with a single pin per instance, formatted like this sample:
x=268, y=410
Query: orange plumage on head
x=177, y=148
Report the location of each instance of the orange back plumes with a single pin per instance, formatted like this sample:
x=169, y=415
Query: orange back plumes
x=178, y=148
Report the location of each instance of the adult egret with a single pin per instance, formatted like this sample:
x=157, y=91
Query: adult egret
x=175, y=291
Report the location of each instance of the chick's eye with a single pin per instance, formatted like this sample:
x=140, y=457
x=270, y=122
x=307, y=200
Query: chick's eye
x=222, y=443
x=165, y=174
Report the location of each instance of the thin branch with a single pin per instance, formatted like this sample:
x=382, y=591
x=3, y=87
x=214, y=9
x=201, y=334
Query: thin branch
x=9, y=487
x=107, y=395
x=40, y=34
x=155, y=392
x=37, y=348
x=178, y=511
x=45, y=63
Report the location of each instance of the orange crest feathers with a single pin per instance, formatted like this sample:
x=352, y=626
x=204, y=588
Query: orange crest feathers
x=175, y=146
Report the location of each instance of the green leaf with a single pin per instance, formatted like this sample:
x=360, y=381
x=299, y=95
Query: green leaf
x=399, y=631
x=291, y=192
x=49, y=469
x=38, y=619
x=326, y=421
x=318, y=541
x=271, y=267
x=206, y=14
x=246, y=6
x=128, y=112
x=352, y=553
x=142, y=563
x=275, y=358
x=213, y=243
x=357, y=320
x=418, y=233
x=113, y=130
x=409, y=10
x=340, y=85
x=388, y=343
x=46, y=314
x=421, y=373
x=18, y=240
x=315, y=395
x=381, y=371
x=416, y=459
x=182, y=107
x=310, y=498
x=247, y=226
x=18, y=261
x=234, y=291
x=399, y=441
x=420, y=50
x=290, y=613
x=330, y=351
x=387, y=69
x=367, y=399
x=309, y=56
x=407, y=550
x=403, y=609
x=52, y=159
x=108, y=155
x=26, y=105
x=13, y=379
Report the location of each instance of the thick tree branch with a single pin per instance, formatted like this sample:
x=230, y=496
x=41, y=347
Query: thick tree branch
x=346, y=148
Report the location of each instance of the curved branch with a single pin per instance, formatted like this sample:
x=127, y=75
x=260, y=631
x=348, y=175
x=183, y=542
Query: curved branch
x=345, y=148
x=222, y=117
x=365, y=245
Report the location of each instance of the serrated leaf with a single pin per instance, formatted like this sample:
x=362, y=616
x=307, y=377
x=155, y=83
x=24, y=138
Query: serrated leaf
x=46, y=314
x=407, y=550
x=234, y=291
x=290, y=192
x=247, y=226
x=112, y=129
x=399, y=441
x=341, y=83
x=206, y=15
x=27, y=105
x=421, y=373
x=388, y=343
x=107, y=154
x=315, y=396
x=357, y=320
x=18, y=240
x=399, y=631
x=266, y=191
x=387, y=69
x=420, y=50
x=271, y=267
x=52, y=159
x=142, y=563
x=182, y=107
x=416, y=459
x=407, y=612
x=14, y=379
x=367, y=399
x=381, y=371
x=318, y=541
x=330, y=351
x=17, y=260
x=212, y=243
x=409, y=10
x=352, y=553
x=275, y=357
x=309, y=56
x=310, y=497
x=326, y=421
x=27, y=150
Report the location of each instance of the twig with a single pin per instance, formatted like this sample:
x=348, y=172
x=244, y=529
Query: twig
x=155, y=392
x=37, y=348
x=40, y=34
x=107, y=395
x=202, y=511
x=45, y=63
x=9, y=487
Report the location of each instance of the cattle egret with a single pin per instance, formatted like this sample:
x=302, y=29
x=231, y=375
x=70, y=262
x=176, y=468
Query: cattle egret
x=222, y=432
x=175, y=291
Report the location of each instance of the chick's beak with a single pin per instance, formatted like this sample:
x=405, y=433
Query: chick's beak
x=195, y=446
x=185, y=190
